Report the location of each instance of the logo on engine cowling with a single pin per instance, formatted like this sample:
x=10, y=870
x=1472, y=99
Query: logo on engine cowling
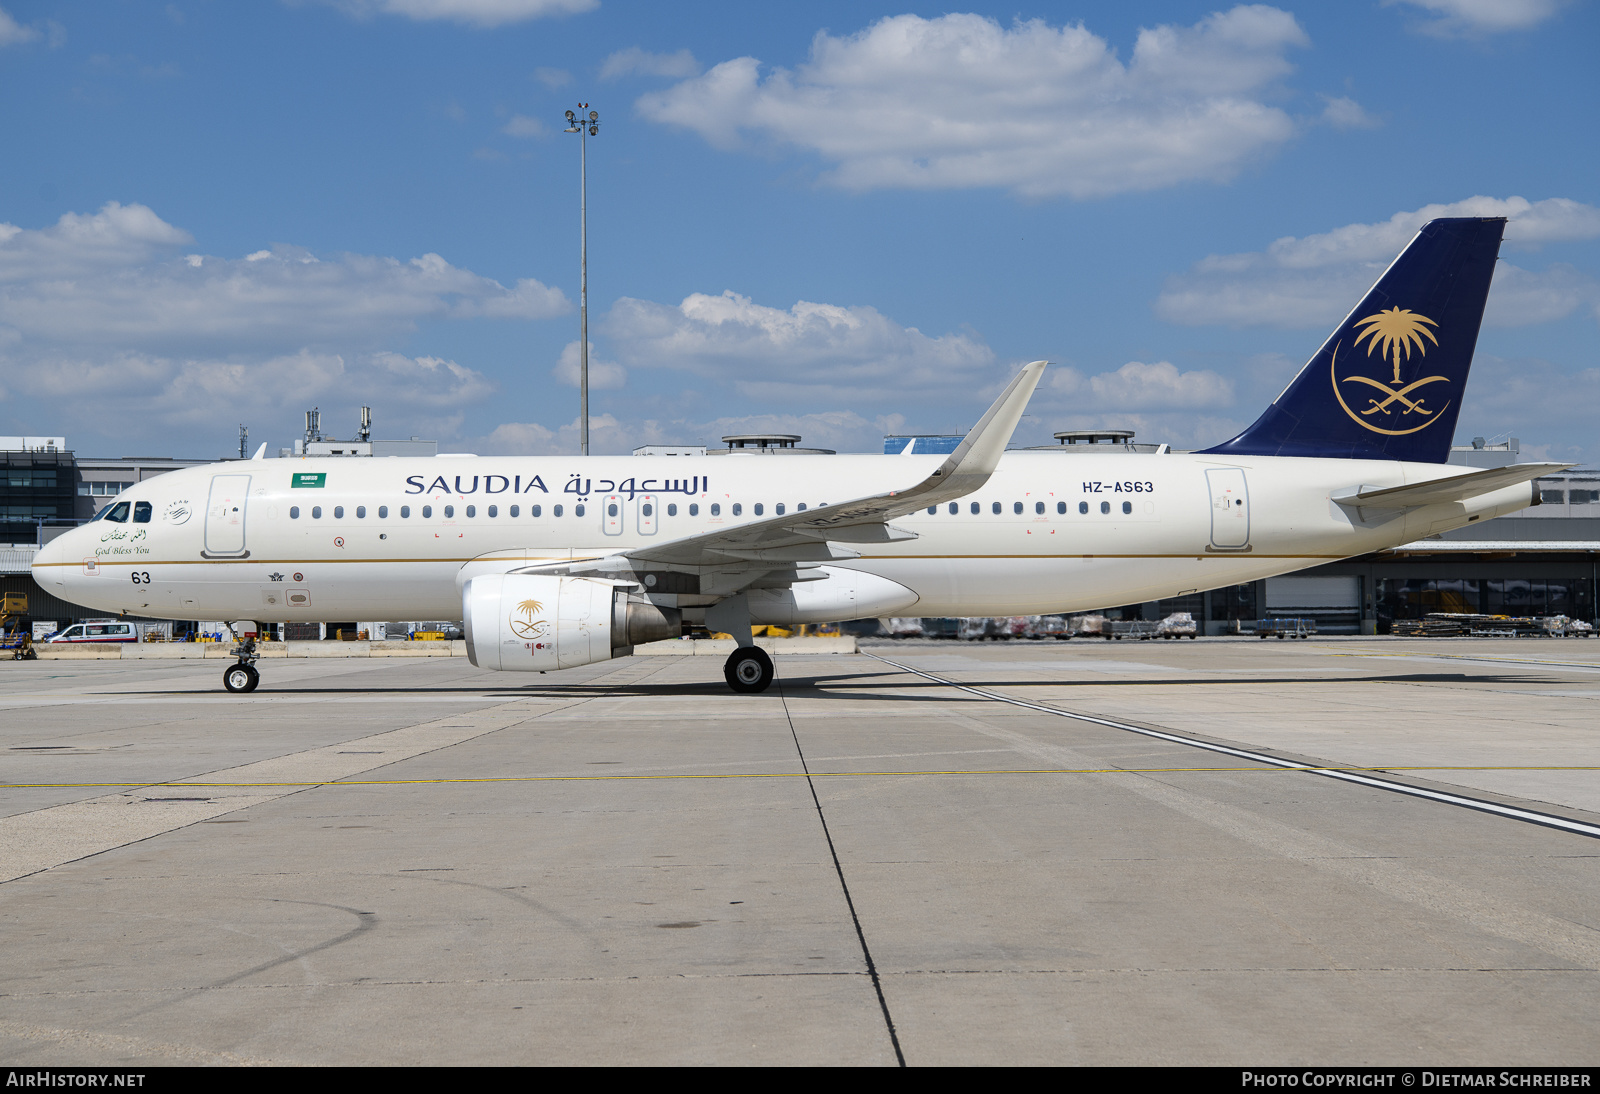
x=528, y=626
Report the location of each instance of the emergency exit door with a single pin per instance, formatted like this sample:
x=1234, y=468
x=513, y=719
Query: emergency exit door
x=225, y=516
x=1230, y=508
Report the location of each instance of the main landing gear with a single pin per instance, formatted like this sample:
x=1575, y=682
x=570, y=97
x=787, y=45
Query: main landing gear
x=242, y=677
x=748, y=670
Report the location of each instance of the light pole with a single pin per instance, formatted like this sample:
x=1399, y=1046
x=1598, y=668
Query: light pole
x=584, y=128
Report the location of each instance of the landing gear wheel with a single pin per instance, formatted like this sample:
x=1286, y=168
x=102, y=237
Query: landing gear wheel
x=748, y=670
x=241, y=678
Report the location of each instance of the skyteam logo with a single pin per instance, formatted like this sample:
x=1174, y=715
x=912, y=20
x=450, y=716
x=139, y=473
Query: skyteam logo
x=1394, y=334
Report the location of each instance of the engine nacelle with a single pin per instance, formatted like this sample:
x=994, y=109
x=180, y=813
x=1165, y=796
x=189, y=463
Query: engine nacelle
x=533, y=623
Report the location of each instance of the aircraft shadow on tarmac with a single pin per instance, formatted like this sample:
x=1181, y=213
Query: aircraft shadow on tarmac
x=862, y=685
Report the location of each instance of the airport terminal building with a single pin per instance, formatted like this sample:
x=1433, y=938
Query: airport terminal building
x=1540, y=561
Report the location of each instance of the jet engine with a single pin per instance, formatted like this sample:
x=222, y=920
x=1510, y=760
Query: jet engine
x=534, y=623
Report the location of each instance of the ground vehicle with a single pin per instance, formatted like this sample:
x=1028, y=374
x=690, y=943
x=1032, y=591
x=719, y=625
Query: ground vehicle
x=96, y=630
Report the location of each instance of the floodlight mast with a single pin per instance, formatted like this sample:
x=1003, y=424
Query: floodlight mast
x=584, y=128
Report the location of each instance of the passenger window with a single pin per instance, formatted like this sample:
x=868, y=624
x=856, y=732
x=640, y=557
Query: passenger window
x=694, y=509
x=555, y=510
x=383, y=512
x=647, y=509
x=1061, y=507
x=1127, y=507
x=578, y=509
x=1016, y=507
x=294, y=512
x=995, y=506
x=738, y=508
x=472, y=511
x=801, y=508
x=494, y=511
x=141, y=512
x=932, y=509
x=716, y=508
x=405, y=512
x=1083, y=507
x=611, y=510
x=1105, y=507
x=778, y=509
x=759, y=509
x=427, y=511
x=672, y=509
x=316, y=512
x=118, y=513
x=975, y=509
x=449, y=511
x=514, y=510
x=338, y=512
x=535, y=511
x=361, y=512
x=1038, y=507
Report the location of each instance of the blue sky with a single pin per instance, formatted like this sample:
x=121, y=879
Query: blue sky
x=838, y=220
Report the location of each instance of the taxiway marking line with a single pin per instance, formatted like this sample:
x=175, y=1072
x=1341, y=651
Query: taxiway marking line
x=1591, y=665
x=1529, y=816
x=1280, y=769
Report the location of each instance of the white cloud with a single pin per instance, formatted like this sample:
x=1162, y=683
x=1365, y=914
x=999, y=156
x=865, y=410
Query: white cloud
x=809, y=350
x=521, y=125
x=1478, y=17
x=552, y=77
x=603, y=375
x=1314, y=280
x=474, y=13
x=634, y=61
x=1346, y=113
x=960, y=101
x=1138, y=386
x=131, y=394
x=110, y=278
x=13, y=33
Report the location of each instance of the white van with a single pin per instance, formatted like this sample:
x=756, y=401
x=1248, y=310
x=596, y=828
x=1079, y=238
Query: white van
x=100, y=630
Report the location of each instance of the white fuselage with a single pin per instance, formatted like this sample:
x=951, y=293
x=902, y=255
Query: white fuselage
x=241, y=540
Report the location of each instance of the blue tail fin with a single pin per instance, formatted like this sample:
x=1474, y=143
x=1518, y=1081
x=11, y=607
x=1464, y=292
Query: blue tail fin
x=1387, y=384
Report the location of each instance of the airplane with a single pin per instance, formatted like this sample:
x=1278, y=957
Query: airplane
x=556, y=562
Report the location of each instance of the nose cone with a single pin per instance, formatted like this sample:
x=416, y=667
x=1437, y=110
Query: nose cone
x=50, y=568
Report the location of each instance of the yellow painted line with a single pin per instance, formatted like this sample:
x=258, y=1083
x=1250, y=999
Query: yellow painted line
x=781, y=775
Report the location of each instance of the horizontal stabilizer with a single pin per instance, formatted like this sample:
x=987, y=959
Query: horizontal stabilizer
x=1454, y=488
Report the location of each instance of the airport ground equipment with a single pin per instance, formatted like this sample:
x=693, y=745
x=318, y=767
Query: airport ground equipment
x=1134, y=628
x=1178, y=625
x=1286, y=627
x=14, y=637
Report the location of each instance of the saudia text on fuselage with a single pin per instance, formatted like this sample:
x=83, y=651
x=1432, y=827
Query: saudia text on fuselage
x=578, y=485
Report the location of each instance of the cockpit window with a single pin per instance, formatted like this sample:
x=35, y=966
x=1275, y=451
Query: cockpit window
x=118, y=513
x=101, y=514
x=141, y=512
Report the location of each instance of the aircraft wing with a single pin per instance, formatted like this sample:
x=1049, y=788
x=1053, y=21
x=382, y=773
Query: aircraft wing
x=777, y=544
x=1454, y=488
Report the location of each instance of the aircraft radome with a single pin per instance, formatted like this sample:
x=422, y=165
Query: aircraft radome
x=554, y=562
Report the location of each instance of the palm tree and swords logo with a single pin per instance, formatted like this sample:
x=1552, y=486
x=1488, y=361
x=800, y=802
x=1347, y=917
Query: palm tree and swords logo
x=529, y=627
x=1394, y=333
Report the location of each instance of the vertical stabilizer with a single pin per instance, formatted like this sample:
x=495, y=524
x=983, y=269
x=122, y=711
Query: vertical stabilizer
x=1387, y=384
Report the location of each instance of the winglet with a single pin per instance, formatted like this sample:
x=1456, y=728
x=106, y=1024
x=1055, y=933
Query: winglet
x=980, y=450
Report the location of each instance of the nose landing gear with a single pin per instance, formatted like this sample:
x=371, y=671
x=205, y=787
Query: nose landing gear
x=242, y=677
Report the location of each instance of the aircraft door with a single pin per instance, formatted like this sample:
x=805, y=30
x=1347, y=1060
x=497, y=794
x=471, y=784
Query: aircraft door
x=225, y=517
x=646, y=521
x=1230, y=508
x=611, y=507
